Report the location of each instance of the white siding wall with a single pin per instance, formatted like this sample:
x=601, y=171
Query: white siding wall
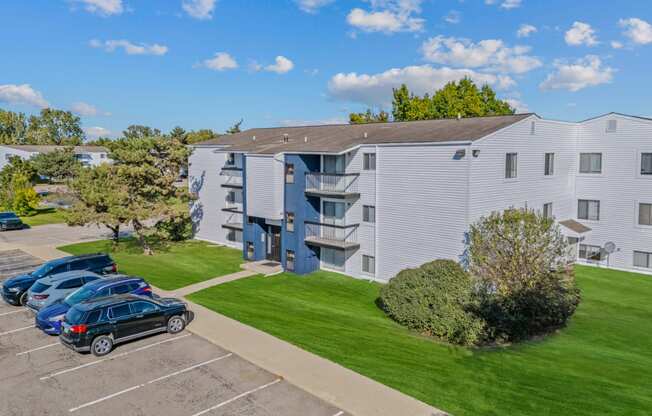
x=265, y=183
x=421, y=198
x=619, y=188
x=7, y=152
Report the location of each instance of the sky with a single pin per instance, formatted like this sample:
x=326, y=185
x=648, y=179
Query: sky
x=209, y=63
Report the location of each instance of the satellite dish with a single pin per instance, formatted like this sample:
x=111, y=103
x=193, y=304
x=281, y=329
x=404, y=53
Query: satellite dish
x=610, y=247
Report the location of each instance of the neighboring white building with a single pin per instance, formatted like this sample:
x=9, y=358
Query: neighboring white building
x=371, y=200
x=87, y=155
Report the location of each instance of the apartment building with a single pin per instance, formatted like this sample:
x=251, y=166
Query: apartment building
x=87, y=155
x=371, y=200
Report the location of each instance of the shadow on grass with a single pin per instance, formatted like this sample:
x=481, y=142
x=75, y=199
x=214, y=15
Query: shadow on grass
x=130, y=245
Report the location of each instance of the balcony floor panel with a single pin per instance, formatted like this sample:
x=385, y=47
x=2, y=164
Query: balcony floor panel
x=331, y=243
x=332, y=194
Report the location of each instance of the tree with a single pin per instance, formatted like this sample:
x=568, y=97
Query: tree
x=526, y=284
x=58, y=165
x=137, y=131
x=13, y=127
x=368, y=117
x=202, y=135
x=235, y=128
x=16, y=187
x=179, y=134
x=56, y=127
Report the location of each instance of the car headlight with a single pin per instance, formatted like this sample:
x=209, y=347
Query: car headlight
x=57, y=318
x=14, y=289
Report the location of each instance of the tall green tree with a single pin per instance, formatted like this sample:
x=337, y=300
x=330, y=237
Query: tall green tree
x=202, y=135
x=235, y=128
x=179, y=134
x=368, y=117
x=56, y=127
x=137, y=131
x=13, y=127
x=59, y=165
x=16, y=186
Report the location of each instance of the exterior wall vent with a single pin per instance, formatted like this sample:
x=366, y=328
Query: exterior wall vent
x=612, y=126
x=254, y=138
x=305, y=139
x=365, y=135
x=285, y=138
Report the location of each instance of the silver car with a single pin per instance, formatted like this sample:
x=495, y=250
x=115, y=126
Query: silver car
x=46, y=291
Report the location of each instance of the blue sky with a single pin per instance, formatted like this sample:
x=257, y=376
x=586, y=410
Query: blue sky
x=207, y=63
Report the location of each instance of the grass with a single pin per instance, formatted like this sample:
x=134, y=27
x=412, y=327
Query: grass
x=172, y=266
x=600, y=364
x=45, y=216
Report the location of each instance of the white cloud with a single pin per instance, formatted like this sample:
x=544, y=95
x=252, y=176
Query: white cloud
x=617, y=45
x=96, y=132
x=312, y=6
x=294, y=122
x=103, y=7
x=585, y=72
x=22, y=94
x=492, y=54
x=517, y=105
x=282, y=65
x=376, y=89
x=199, y=9
x=525, y=30
x=506, y=4
x=453, y=17
x=388, y=16
x=581, y=34
x=222, y=61
x=129, y=47
x=639, y=31
x=86, y=109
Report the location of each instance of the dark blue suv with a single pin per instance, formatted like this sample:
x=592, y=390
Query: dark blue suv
x=49, y=318
x=10, y=221
x=14, y=289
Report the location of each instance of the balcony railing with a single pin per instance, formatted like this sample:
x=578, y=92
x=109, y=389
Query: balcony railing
x=233, y=221
x=232, y=181
x=333, y=184
x=329, y=235
x=232, y=207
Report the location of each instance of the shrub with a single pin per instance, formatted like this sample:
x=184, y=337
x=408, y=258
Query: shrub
x=435, y=299
x=176, y=228
x=25, y=201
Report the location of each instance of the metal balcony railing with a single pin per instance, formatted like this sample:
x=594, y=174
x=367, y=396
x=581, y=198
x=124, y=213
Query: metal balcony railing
x=332, y=183
x=232, y=181
x=330, y=235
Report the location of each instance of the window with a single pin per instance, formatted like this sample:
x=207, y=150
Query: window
x=102, y=155
x=332, y=258
x=334, y=164
x=289, y=221
x=59, y=269
x=588, y=252
x=250, y=219
x=71, y=284
x=533, y=127
x=511, y=163
x=369, y=161
x=230, y=197
x=369, y=264
x=80, y=265
x=646, y=163
x=120, y=289
x=289, y=260
x=612, y=126
x=143, y=307
x=549, y=169
x=120, y=311
x=643, y=259
x=93, y=317
x=234, y=236
x=588, y=210
x=230, y=159
x=590, y=162
x=644, y=214
x=369, y=213
x=547, y=210
x=289, y=173
x=250, y=250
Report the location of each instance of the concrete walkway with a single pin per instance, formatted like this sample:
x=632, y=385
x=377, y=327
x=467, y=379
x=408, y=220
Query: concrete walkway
x=185, y=291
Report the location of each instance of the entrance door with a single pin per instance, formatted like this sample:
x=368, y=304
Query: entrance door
x=274, y=243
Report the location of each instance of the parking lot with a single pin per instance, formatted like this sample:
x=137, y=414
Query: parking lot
x=166, y=374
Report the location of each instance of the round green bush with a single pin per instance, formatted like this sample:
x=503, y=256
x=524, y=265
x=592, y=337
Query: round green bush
x=435, y=299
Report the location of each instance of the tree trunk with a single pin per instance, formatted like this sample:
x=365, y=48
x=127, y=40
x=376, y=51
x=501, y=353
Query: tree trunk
x=138, y=228
x=116, y=232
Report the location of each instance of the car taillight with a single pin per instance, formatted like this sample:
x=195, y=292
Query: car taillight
x=79, y=329
x=114, y=268
x=40, y=297
x=147, y=289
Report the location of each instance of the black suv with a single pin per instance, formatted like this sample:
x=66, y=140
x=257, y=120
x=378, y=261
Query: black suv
x=10, y=221
x=97, y=325
x=14, y=289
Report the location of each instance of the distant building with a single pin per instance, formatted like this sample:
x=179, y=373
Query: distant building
x=371, y=200
x=87, y=155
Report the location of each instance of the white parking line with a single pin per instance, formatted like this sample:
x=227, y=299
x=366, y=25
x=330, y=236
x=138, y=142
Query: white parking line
x=16, y=330
x=112, y=357
x=138, y=386
x=340, y=413
x=239, y=396
x=12, y=312
x=38, y=349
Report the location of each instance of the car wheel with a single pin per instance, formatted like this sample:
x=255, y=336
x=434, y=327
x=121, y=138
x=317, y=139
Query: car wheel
x=176, y=324
x=23, y=299
x=101, y=345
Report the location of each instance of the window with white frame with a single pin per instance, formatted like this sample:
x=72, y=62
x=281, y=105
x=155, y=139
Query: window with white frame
x=547, y=210
x=289, y=221
x=230, y=159
x=369, y=213
x=646, y=163
x=369, y=161
x=644, y=214
x=368, y=264
x=591, y=163
x=549, y=168
x=289, y=173
x=589, y=252
x=289, y=260
x=588, y=210
x=511, y=165
x=643, y=259
x=234, y=236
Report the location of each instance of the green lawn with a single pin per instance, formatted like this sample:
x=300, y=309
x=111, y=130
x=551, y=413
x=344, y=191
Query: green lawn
x=171, y=267
x=601, y=364
x=45, y=216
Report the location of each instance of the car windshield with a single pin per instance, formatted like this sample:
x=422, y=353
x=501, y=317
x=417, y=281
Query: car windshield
x=39, y=287
x=74, y=316
x=79, y=295
x=43, y=270
x=7, y=215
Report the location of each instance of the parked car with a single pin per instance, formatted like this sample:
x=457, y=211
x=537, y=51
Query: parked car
x=49, y=319
x=10, y=221
x=14, y=289
x=97, y=325
x=50, y=289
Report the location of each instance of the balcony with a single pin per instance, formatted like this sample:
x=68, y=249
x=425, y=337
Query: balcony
x=232, y=181
x=334, y=236
x=231, y=167
x=334, y=185
x=233, y=208
x=233, y=222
